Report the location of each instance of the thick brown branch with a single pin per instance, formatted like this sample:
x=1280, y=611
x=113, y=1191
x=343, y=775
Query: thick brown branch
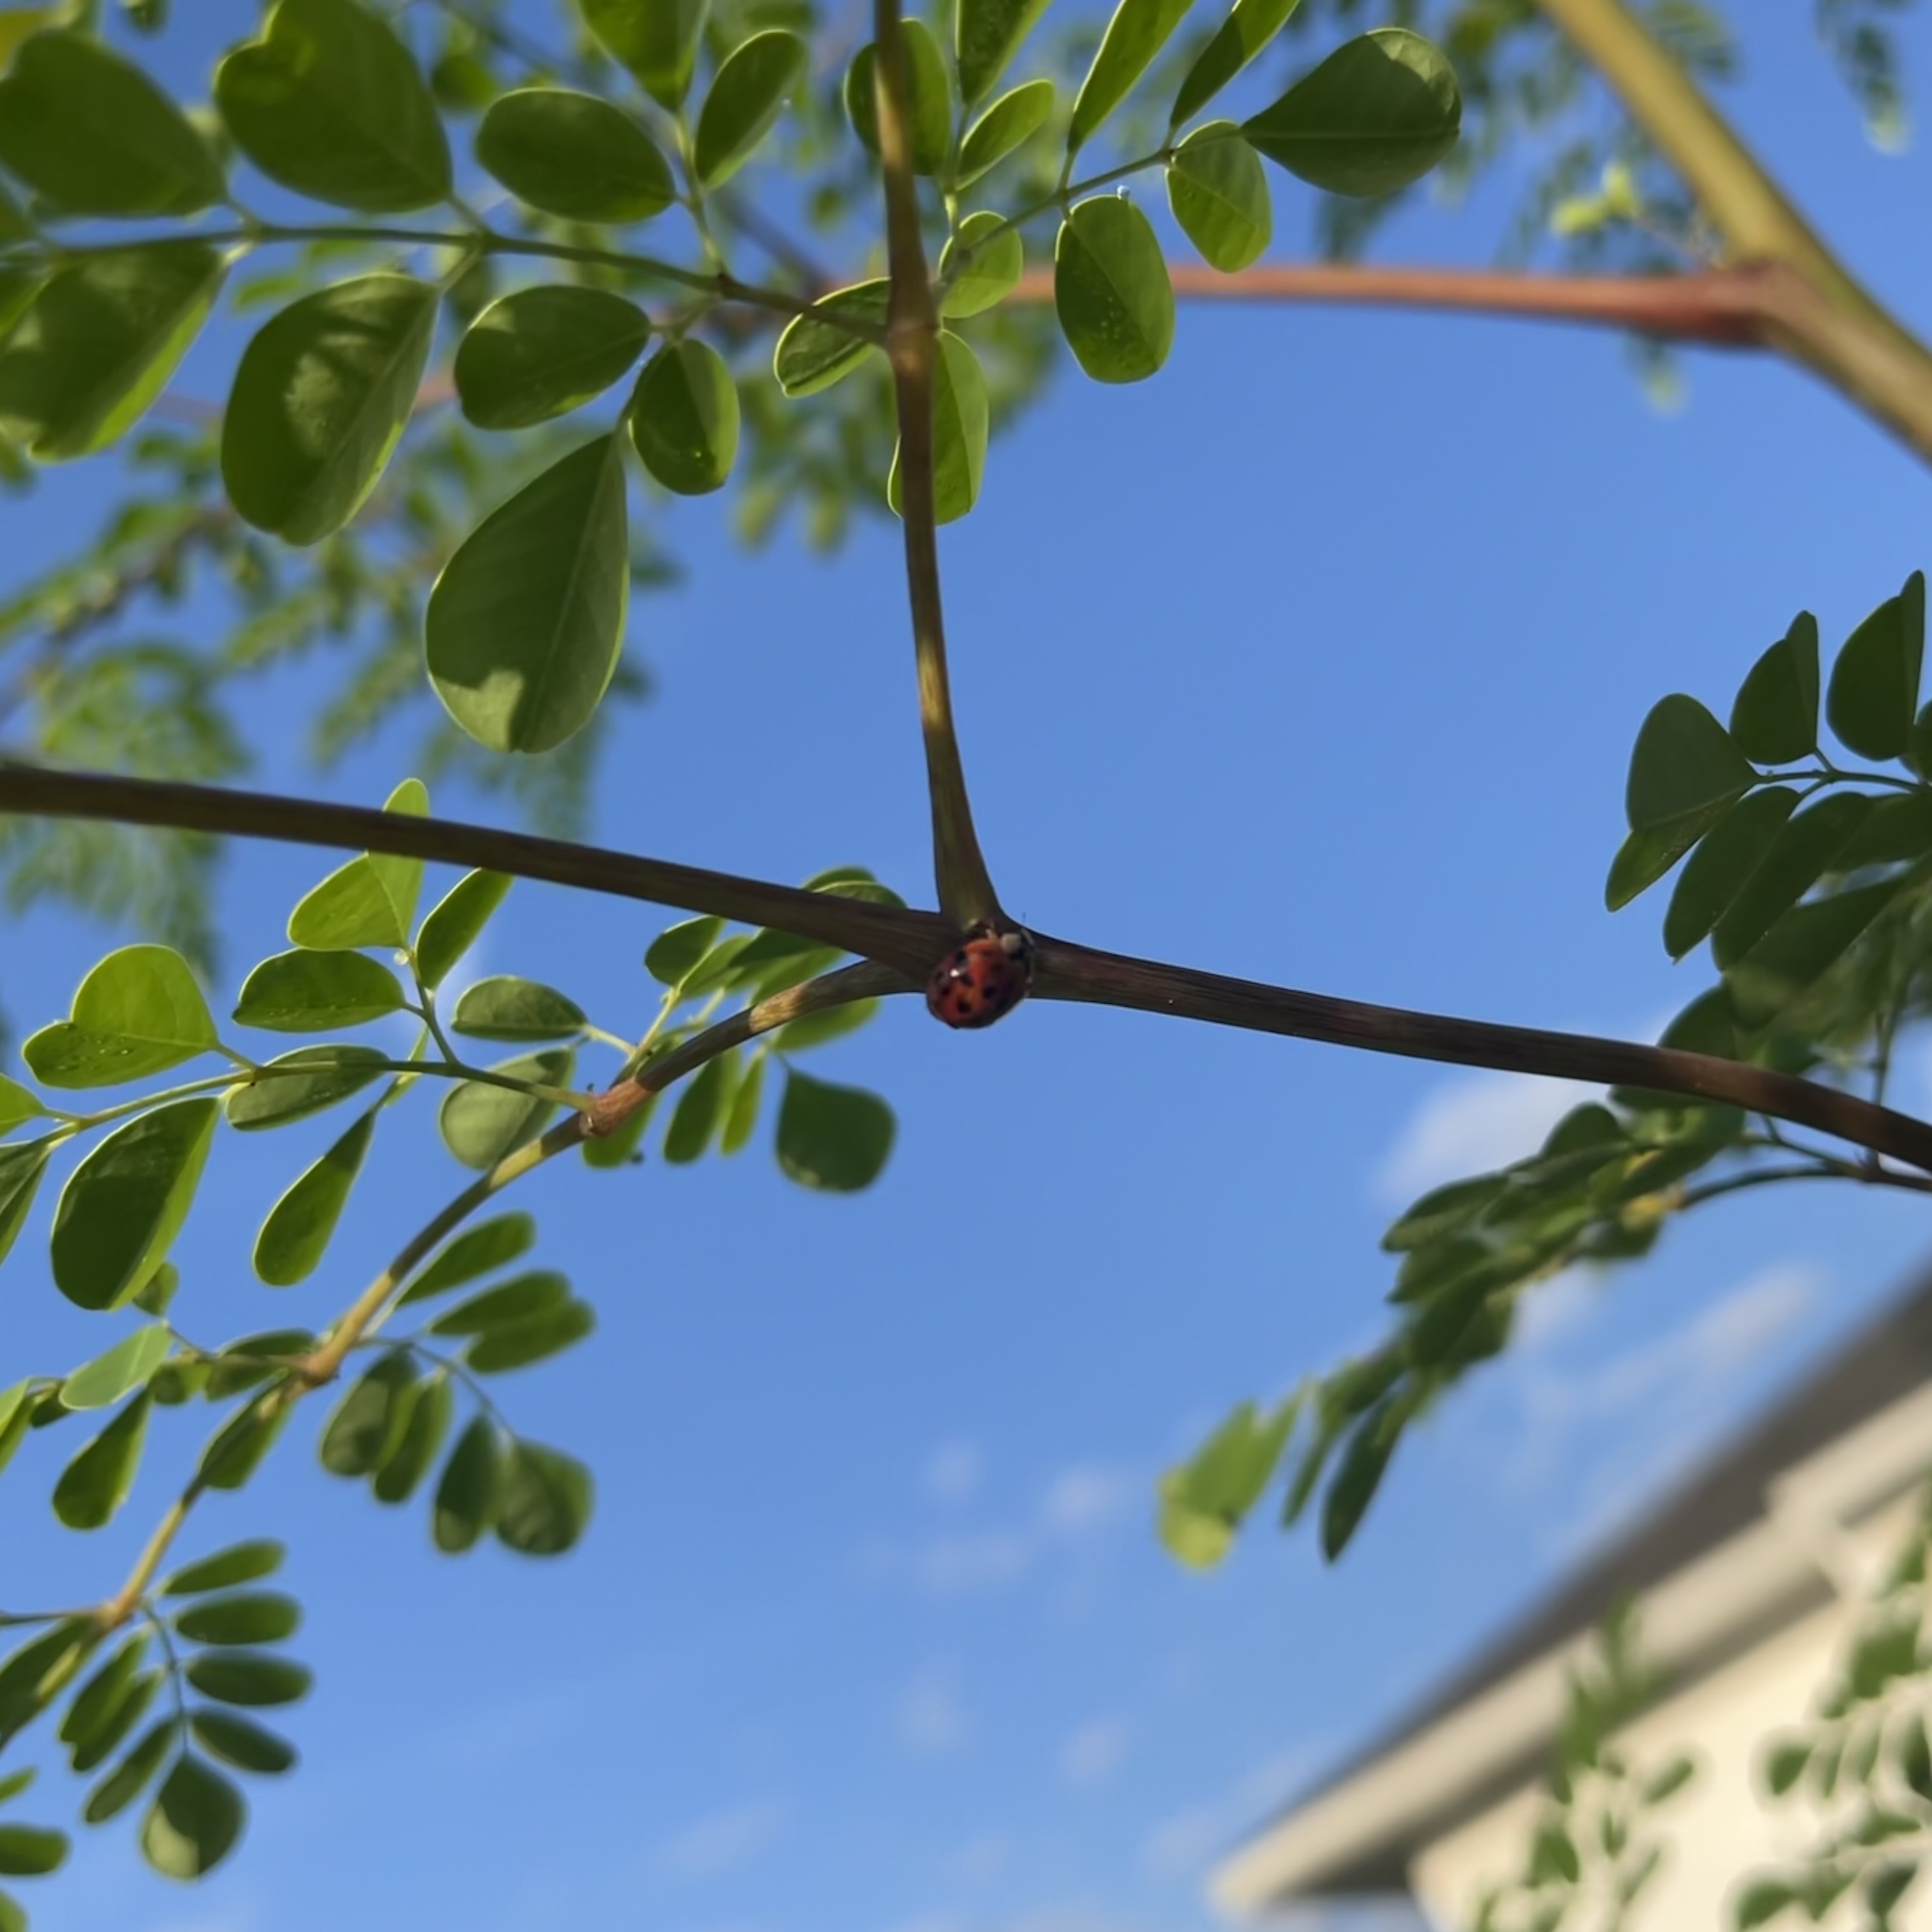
x=909, y=942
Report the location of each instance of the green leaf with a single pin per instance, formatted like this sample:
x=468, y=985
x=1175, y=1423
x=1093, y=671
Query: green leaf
x=1724, y=860
x=17, y=1105
x=1761, y=1901
x=96, y=1702
x=526, y=623
x=991, y=270
x=16, y=1782
x=300, y=1224
x=507, y=1008
x=20, y=1171
x=367, y=1423
x=307, y=991
x=1203, y=1501
x=403, y=1468
x=103, y=336
x=546, y=1501
x=249, y=1678
x=1798, y=852
x=125, y=1367
x=657, y=40
x=457, y=922
x=1219, y=195
x=1802, y=945
x=1668, y=1780
x=535, y=1293
x=249, y=1616
x=747, y=95
x=960, y=423
x=986, y=35
x=833, y=1138
x=236, y=1740
x=1685, y=768
x=29, y=1851
x=489, y=1244
x=239, y=1563
x=1137, y=32
x=328, y=102
x=321, y=396
x=1111, y=290
x=278, y=1096
x=1250, y=26
x=1006, y=126
x=35, y=1674
x=1775, y=717
x=93, y=135
x=236, y=1451
x=1378, y=113
x=124, y=1205
x=685, y=419
x=471, y=1490
x=543, y=351
x=1912, y=1747
x=480, y=1124
x=573, y=155
x=928, y=86
x=742, y=1119
x=370, y=901
x=138, y=1012
x=251, y=1361
x=1364, y=1461
x=812, y=354
x=1873, y=695
x=678, y=948
x=111, y=1732
x=700, y=1109
x=536, y=1338
x=197, y=1815
x=156, y=1295
x=94, y=1485
x=131, y=1777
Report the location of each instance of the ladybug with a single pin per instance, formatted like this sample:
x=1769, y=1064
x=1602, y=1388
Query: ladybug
x=986, y=976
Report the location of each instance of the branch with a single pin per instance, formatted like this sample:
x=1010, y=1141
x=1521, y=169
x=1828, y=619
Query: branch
x=911, y=941
x=912, y=338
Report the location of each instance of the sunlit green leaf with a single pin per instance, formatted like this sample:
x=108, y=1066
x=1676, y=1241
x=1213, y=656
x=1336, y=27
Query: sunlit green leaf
x=138, y=1012
x=247, y=1617
x=489, y=1244
x=236, y=1740
x=456, y=922
x=507, y=1008
x=1364, y=1461
x=328, y=102
x=236, y=1451
x=574, y=155
x=248, y=1679
x=543, y=352
x=96, y=1483
x=39, y=1669
x=748, y=94
x=124, y=1368
x=300, y=1224
x=1203, y=1501
x=370, y=901
x=239, y=1563
x=685, y=423
x=526, y=623
x=471, y=1490
x=960, y=425
x=480, y=1124
x=20, y=1171
x=1219, y=195
x=700, y=1107
x=983, y=277
x=131, y=1776
x=280, y=1095
x=1251, y=24
x=93, y=135
x=929, y=91
x=367, y=1423
x=986, y=35
x=124, y=1205
x=320, y=398
x=546, y=1501
x=196, y=1818
x=812, y=354
x=1137, y=32
x=109, y=1705
x=1379, y=112
x=31, y=1851
x=102, y=335
x=1006, y=126
x=306, y=992
x=405, y=1466
x=517, y=1344
x=657, y=40
x=1111, y=292
x=834, y=1137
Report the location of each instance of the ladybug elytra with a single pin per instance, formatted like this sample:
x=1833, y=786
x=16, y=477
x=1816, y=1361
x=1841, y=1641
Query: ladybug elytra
x=986, y=975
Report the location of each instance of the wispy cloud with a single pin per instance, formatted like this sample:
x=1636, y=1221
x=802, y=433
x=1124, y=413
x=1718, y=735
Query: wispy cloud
x=930, y=1719
x=721, y=1842
x=949, y=1566
x=1087, y=1497
x=1469, y=1125
x=1093, y=1752
x=953, y=1472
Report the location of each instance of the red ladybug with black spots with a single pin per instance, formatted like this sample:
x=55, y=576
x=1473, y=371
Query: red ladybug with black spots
x=986, y=975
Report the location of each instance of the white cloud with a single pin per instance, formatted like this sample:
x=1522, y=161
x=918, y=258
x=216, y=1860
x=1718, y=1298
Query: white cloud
x=721, y=1842
x=980, y=1861
x=1094, y=1752
x=953, y=1472
x=1470, y=1125
x=1086, y=1497
x=948, y=1566
x=930, y=1719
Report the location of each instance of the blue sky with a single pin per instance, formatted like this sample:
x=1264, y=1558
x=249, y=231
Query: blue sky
x=1316, y=660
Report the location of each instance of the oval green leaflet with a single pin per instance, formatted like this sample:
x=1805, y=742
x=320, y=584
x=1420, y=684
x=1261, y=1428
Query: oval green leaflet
x=480, y=1124
x=297, y=1232
x=367, y=1423
x=930, y=102
x=574, y=155
x=124, y=1204
x=372, y=900
x=543, y=351
x=657, y=40
x=1005, y=127
x=960, y=421
x=490, y=1244
x=525, y=625
x=980, y=267
x=101, y=337
x=517, y=1344
x=403, y=1469
x=685, y=418
x=1111, y=292
x=1219, y=195
x=193, y=1823
x=1251, y=24
x=139, y=1012
x=246, y=1617
x=833, y=1138
x=545, y=1501
x=1378, y=113
x=239, y=1563
x=1873, y=696
x=329, y=102
x=310, y=991
x=1137, y=32
x=456, y=922
x=126, y=1367
x=94, y=1485
x=748, y=94
x=1775, y=717
x=237, y=1741
x=471, y=1489
x=93, y=135
x=249, y=1679
x=320, y=397
x=813, y=354
x=986, y=35
x=506, y=1008
x=295, y=1085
